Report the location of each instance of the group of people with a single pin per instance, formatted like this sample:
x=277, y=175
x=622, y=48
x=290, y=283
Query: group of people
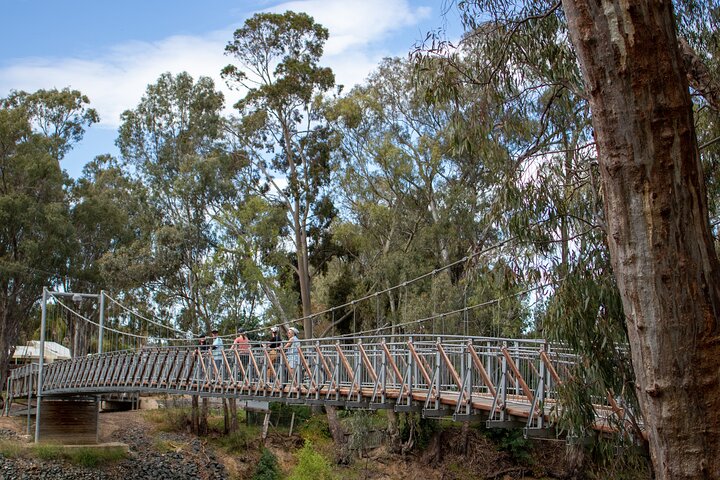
x=243, y=347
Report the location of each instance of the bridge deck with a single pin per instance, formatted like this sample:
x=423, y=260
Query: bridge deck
x=456, y=377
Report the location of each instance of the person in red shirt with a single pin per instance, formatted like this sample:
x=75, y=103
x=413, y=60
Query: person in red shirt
x=242, y=345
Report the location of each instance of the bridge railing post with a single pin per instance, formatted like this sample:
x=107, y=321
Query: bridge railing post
x=41, y=361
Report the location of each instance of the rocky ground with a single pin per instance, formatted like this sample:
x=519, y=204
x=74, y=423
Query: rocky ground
x=159, y=455
x=153, y=455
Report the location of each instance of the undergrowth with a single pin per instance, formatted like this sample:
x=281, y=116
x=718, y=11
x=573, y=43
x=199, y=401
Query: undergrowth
x=312, y=465
x=86, y=457
x=267, y=467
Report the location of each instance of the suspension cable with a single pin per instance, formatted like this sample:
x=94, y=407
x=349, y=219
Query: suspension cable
x=133, y=312
x=453, y=312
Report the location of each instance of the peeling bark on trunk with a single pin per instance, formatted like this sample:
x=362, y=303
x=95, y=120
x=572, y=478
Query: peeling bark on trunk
x=657, y=224
x=699, y=76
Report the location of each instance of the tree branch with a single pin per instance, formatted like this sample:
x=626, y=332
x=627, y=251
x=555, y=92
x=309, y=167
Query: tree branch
x=699, y=76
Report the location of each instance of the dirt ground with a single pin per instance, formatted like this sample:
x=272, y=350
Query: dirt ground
x=446, y=457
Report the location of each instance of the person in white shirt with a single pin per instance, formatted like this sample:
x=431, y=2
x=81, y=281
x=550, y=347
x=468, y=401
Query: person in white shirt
x=292, y=349
x=217, y=353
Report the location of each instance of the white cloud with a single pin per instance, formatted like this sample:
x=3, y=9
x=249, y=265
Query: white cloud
x=357, y=24
x=116, y=79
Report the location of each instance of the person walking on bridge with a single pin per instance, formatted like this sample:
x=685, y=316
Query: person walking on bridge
x=273, y=345
x=292, y=351
x=242, y=346
x=217, y=353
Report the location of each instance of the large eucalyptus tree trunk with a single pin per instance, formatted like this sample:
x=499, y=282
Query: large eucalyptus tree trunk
x=657, y=224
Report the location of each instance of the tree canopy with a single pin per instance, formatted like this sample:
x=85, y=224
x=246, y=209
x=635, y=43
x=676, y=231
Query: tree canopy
x=550, y=175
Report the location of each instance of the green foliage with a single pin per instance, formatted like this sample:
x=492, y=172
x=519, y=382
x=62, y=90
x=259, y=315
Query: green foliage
x=36, y=130
x=316, y=429
x=60, y=116
x=512, y=442
x=11, y=449
x=421, y=429
x=48, y=452
x=587, y=314
x=282, y=130
x=174, y=141
x=312, y=465
x=84, y=456
x=618, y=460
x=358, y=425
x=267, y=468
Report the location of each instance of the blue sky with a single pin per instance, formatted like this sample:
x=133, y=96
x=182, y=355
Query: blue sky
x=112, y=50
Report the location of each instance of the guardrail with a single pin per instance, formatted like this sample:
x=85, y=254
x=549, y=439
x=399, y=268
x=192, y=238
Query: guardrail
x=444, y=376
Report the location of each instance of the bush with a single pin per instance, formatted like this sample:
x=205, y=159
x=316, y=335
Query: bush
x=423, y=429
x=267, y=468
x=361, y=426
x=316, y=429
x=512, y=442
x=311, y=465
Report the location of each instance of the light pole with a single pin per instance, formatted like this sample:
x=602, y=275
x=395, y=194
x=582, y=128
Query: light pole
x=77, y=298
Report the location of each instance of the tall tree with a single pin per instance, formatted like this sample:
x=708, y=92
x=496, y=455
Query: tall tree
x=110, y=217
x=655, y=205
x=278, y=65
x=173, y=139
x=417, y=200
x=660, y=242
x=36, y=130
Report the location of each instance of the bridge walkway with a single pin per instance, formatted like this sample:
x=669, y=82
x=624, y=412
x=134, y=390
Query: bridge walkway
x=504, y=381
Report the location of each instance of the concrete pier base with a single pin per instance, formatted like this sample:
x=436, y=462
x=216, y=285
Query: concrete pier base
x=69, y=421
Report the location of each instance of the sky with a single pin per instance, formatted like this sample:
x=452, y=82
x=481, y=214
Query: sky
x=111, y=51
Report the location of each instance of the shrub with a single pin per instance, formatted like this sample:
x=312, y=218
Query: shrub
x=512, y=442
x=423, y=429
x=316, y=429
x=170, y=419
x=311, y=465
x=360, y=425
x=267, y=468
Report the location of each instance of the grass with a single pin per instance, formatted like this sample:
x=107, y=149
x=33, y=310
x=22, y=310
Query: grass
x=164, y=446
x=169, y=419
x=237, y=442
x=93, y=457
x=48, y=452
x=12, y=449
x=86, y=457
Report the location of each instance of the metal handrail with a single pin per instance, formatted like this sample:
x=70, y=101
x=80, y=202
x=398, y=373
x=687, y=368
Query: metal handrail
x=464, y=375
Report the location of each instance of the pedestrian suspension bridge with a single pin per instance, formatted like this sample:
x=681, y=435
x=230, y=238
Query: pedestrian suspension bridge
x=508, y=383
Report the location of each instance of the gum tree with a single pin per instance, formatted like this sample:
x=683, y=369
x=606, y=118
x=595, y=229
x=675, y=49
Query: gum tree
x=281, y=127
